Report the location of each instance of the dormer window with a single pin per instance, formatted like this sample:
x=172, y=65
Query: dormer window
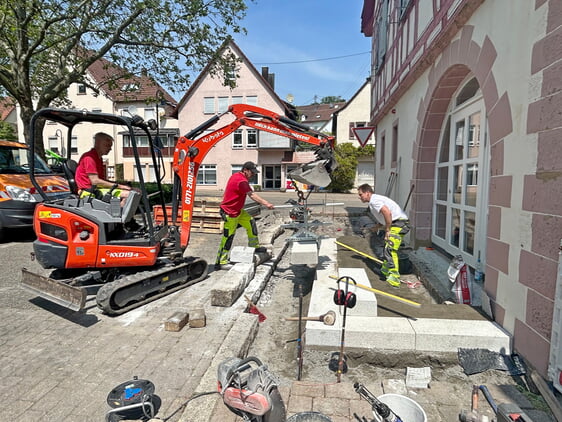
x=81, y=89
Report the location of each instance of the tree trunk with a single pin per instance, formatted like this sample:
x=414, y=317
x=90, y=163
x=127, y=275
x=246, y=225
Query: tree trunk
x=26, y=115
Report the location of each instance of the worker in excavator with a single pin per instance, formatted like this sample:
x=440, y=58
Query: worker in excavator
x=234, y=215
x=396, y=225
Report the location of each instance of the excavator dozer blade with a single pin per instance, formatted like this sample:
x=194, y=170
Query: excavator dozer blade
x=315, y=173
x=54, y=290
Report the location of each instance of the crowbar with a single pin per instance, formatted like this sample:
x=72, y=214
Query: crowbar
x=390, y=296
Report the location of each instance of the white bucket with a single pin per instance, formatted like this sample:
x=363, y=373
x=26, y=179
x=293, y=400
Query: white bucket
x=404, y=407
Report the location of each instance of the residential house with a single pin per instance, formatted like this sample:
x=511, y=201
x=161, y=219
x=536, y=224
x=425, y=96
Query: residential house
x=208, y=96
x=134, y=95
x=356, y=114
x=467, y=95
x=8, y=113
x=319, y=117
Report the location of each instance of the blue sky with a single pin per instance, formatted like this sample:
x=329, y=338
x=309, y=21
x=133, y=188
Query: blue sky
x=308, y=31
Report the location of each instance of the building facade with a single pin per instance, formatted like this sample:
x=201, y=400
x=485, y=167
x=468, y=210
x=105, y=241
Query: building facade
x=355, y=113
x=465, y=99
x=208, y=96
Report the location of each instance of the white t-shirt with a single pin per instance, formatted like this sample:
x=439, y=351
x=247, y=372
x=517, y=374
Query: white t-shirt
x=378, y=201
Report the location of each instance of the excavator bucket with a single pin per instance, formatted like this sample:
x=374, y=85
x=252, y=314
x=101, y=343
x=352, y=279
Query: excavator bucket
x=317, y=172
x=55, y=291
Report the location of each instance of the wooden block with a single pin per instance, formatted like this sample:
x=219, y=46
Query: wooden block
x=177, y=321
x=198, y=319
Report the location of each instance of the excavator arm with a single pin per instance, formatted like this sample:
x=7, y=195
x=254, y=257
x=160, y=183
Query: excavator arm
x=192, y=148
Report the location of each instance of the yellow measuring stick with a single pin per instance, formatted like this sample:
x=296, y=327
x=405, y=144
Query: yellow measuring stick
x=380, y=292
x=360, y=253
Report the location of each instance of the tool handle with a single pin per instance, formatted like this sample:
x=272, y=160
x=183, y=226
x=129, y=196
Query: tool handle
x=295, y=318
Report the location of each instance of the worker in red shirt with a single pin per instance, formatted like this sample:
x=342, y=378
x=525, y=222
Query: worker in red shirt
x=90, y=174
x=234, y=215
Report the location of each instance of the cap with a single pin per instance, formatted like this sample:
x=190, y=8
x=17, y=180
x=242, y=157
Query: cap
x=249, y=165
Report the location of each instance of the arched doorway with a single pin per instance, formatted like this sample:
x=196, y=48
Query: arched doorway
x=461, y=176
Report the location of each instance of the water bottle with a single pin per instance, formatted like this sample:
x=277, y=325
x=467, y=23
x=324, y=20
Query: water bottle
x=478, y=274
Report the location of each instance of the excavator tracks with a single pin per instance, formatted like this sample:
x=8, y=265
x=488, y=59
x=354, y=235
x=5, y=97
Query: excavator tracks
x=134, y=290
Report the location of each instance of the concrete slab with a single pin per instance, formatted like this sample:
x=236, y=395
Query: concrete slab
x=364, y=329
x=445, y=335
x=243, y=254
x=304, y=252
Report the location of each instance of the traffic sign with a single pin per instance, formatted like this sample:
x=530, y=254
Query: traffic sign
x=363, y=133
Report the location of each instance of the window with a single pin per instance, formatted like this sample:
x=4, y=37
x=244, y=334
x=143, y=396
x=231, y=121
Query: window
x=149, y=113
x=142, y=141
x=252, y=141
x=54, y=144
x=223, y=104
x=237, y=140
x=381, y=30
x=238, y=167
x=353, y=125
x=403, y=4
x=460, y=206
x=74, y=145
x=238, y=99
x=207, y=174
x=110, y=172
x=96, y=110
x=81, y=89
x=252, y=100
x=209, y=105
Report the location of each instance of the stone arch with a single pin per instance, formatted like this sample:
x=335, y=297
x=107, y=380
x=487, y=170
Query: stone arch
x=458, y=59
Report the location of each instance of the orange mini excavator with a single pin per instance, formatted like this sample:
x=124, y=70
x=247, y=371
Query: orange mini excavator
x=89, y=243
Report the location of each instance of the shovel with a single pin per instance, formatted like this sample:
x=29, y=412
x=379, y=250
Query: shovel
x=329, y=318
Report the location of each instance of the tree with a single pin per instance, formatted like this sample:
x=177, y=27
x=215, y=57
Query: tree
x=7, y=132
x=343, y=177
x=331, y=99
x=46, y=45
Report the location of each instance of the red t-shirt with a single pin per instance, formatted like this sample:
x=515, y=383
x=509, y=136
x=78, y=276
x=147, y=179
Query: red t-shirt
x=90, y=162
x=235, y=193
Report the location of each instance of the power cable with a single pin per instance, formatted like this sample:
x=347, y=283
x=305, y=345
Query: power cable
x=314, y=60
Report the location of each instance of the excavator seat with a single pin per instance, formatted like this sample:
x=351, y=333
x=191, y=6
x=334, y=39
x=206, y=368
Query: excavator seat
x=69, y=168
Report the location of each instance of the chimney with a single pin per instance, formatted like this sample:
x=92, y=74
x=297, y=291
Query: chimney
x=269, y=77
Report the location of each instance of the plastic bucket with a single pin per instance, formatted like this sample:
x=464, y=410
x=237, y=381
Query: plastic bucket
x=404, y=407
x=309, y=417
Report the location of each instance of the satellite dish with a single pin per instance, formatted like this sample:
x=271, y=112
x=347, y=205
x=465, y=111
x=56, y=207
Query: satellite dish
x=290, y=98
x=132, y=110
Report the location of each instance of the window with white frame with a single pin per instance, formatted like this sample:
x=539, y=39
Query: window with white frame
x=110, y=172
x=54, y=144
x=149, y=113
x=207, y=174
x=252, y=140
x=237, y=142
x=81, y=89
x=223, y=104
x=252, y=100
x=74, y=145
x=142, y=141
x=238, y=99
x=209, y=105
x=235, y=168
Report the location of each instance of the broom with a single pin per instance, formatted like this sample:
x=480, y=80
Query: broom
x=254, y=310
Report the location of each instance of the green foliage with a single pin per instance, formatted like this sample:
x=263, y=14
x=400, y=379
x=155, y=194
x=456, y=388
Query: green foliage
x=331, y=99
x=343, y=177
x=7, y=132
x=153, y=188
x=366, y=151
